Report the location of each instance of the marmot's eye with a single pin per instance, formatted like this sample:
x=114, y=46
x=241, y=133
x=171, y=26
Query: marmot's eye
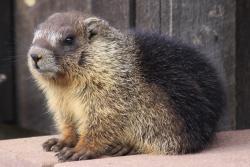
x=68, y=40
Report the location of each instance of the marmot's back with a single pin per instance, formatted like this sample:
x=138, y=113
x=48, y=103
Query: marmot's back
x=189, y=79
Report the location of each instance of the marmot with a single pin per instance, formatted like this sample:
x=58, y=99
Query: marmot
x=114, y=93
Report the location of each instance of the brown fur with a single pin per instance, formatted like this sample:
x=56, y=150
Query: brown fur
x=99, y=98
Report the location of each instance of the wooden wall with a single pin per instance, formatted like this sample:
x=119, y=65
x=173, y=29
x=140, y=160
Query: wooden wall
x=210, y=25
x=243, y=64
x=7, y=61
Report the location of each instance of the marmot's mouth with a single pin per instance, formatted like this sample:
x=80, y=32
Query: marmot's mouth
x=46, y=70
x=35, y=66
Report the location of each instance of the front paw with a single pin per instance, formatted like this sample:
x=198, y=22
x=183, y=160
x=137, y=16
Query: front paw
x=55, y=145
x=70, y=154
x=120, y=150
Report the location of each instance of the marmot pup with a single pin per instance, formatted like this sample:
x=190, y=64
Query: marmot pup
x=116, y=94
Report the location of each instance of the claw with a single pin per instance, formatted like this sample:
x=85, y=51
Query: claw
x=120, y=150
x=55, y=145
x=49, y=143
x=70, y=155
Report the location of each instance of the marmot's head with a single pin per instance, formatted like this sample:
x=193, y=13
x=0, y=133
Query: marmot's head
x=65, y=44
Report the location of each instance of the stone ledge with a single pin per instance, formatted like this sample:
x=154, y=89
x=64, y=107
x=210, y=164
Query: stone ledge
x=229, y=149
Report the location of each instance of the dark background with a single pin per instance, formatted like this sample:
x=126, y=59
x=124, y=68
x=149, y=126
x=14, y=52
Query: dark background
x=219, y=28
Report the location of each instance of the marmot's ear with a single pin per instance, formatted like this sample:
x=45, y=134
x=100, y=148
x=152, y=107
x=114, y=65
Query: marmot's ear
x=95, y=26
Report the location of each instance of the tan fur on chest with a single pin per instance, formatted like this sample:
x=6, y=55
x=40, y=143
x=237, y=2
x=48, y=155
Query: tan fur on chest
x=67, y=106
x=74, y=104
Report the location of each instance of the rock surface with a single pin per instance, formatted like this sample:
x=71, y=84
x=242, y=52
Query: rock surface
x=229, y=149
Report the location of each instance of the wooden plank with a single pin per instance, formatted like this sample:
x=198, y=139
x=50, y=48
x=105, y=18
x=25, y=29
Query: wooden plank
x=148, y=15
x=243, y=64
x=31, y=105
x=7, y=101
x=210, y=26
x=117, y=12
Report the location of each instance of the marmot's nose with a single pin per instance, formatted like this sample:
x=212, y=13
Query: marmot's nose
x=35, y=57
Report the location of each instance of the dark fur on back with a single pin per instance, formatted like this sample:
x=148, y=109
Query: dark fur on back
x=189, y=79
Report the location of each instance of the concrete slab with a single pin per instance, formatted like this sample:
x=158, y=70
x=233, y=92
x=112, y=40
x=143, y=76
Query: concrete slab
x=229, y=149
x=25, y=152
